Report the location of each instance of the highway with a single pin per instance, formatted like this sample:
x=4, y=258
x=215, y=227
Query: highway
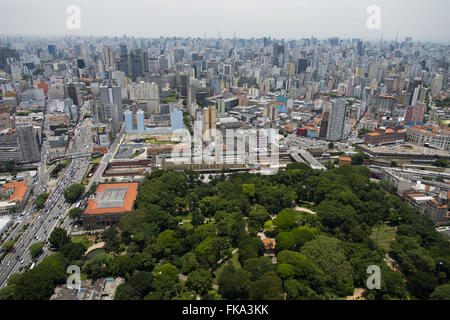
x=41, y=224
x=106, y=158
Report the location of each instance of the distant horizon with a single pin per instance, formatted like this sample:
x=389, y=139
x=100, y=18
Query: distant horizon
x=400, y=38
x=283, y=19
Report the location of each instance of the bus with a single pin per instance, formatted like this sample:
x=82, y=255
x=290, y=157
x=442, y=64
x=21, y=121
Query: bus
x=32, y=266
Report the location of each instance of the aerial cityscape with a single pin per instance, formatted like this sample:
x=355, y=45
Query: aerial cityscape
x=222, y=167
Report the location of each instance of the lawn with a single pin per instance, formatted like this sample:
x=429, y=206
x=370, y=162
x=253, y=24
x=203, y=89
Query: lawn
x=234, y=261
x=84, y=240
x=96, y=160
x=383, y=235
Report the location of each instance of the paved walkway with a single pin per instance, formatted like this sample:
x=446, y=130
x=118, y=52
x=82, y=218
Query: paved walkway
x=95, y=246
x=304, y=210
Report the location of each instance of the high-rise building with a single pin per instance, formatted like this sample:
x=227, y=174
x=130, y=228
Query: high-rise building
x=209, y=121
x=176, y=119
x=111, y=97
x=52, y=50
x=278, y=55
x=140, y=120
x=336, y=122
x=324, y=125
x=302, y=65
x=436, y=85
x=415, y=113
x=29, y=142
x=128, y=114
x=270, y=111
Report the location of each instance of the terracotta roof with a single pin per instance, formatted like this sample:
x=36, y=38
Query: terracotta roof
x=373, y=134
x=267, y=242
x=127, y=204
x=20, y=189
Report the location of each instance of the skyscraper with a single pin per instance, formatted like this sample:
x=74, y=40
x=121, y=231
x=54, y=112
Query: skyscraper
x=336, y=123
x=176, y=119
x=209, y=121
x=29, y=142
x=111, y=96
x=128, y=120
x=140, y=120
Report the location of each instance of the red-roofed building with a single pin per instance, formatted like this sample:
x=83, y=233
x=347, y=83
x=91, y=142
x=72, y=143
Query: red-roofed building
x=384, y=137
x=111, y=202
x=15, y=192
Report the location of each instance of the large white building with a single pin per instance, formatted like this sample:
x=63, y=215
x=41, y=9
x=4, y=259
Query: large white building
x=437, y=137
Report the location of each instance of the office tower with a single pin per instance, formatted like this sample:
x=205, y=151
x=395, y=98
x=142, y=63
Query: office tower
x=178, y=55
x=270, y=111
x=128, y=114
x=183, y=85
x=124, y=64
x=176, y=119
x=278, y=55
x=415, y=113
x=324, y=125
x=140, y=120
x=336, y=123
x=123, y=50
x=111, y=96
x=163, y=63
x=29, y=142
x=74, y=112
x=415, y=96
x=72, y=92
x=359, y=48
x=137, y=63
x=302, y=65
x=221, y=106
x=52, y=50
x=5, y=54
x=436, y=85
x=108, y=58
x=209, y=121
x=349, y=89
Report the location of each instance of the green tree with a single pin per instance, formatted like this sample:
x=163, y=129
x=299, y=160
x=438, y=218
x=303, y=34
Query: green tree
x=200, y=281
x=72, y=251
x=73, y=193
x=328, y=254
x=75, y=213
x=234, y=284
x=189, y=263
x=441, y=292
x=8, y=245
x=40, y=200
x=58, y=238
x=165, y=280
x=269, y=287
x=36, y=249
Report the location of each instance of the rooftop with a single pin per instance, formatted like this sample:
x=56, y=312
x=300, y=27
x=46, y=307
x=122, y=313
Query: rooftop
x=113, y=198
x=20, y=189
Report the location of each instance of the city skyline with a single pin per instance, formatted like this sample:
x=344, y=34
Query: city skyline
x=241, y=19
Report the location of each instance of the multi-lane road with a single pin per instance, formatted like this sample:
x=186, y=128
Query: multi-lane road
x=41, y=223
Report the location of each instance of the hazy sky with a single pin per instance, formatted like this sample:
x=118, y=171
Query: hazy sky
x=289, y=19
